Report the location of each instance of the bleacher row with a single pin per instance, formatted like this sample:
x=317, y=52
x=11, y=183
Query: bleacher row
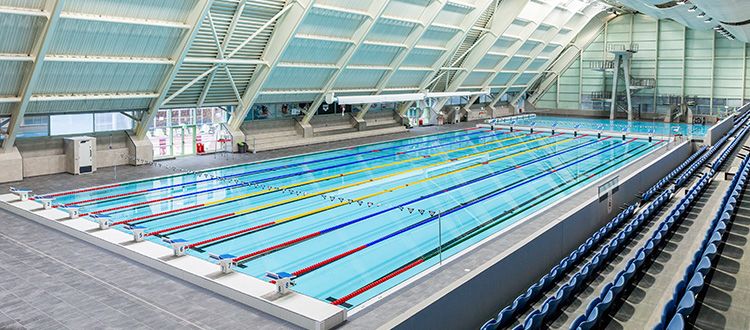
x=612, y=291
x=692, y=283
x=535, y=320
x=551, y=305
x=669, y=177
x=548, y=280
x=599, y=306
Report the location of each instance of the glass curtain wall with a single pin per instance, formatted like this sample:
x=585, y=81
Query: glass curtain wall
x=188, y=131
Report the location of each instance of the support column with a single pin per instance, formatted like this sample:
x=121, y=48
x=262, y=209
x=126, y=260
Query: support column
x=285, y=29
x=195, y=20
x=54, y=8
x=627, y=86
x=615, y=80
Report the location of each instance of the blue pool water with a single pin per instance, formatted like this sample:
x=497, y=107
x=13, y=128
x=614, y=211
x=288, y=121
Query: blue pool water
x=658, y=128
x=352, y=223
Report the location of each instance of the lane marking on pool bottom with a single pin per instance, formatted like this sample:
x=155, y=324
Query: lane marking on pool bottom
x=268, y=225
x=72, y=192
x=521, y=207
x=275, y=248
x=139, y=205
x=188, y=226
x=299, y=184
x=318, y=265
x=249, y=256
x=322, y=192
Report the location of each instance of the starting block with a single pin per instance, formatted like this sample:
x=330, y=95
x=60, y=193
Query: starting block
x=283, y=281
x=179, y=246
x=46, y=202
x=104, y=221
x=23, y=194
x=73, y=212
x=139, y=232
x=225, y=261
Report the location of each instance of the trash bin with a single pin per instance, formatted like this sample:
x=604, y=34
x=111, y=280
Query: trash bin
x=242, y=147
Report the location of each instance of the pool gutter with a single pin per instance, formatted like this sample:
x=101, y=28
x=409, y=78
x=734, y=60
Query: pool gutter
x=467, y=299
x=294, y=307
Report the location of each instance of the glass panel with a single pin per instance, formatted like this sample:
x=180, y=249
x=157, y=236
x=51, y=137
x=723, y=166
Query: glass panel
x=161, y=141
x=188, y=140
x=112, y=122
x=32, y=126
x=71, y=124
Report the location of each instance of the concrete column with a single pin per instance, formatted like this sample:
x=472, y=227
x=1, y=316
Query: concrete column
x=12, y=164
x=140, y=151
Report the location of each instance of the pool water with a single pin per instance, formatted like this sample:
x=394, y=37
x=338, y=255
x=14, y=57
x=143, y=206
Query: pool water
x=657, y=128
x=352, y=223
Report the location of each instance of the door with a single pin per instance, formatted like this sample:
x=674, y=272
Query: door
x=183, y=140
x=85, y=156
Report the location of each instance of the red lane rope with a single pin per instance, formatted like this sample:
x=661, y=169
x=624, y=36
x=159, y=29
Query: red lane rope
x=127, y=206
x=156, y=214
x=211, y=240
x=275, y=247
x=376, y=283
x=83, y=190
x=189, y=224
x=107, y=197
x=325, y=262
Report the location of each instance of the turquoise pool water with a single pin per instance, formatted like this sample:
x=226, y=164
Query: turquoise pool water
x=658, y=128
x=352, y=223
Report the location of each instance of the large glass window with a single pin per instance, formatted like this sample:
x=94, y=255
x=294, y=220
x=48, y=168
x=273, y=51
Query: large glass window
x=112, y=122
x=71, y=124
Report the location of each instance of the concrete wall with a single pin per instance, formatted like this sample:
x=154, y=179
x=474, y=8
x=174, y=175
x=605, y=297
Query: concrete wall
x=12, y=165
x=46, y=155
x=479, y=295
x=718, y=130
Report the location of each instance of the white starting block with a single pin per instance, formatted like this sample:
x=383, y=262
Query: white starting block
x=226, y=261
x=179, y=246
x=104, y=221
x=139, y=232
x=73, y=212
x=282, y=280
x=23, y=194
x=46, y=202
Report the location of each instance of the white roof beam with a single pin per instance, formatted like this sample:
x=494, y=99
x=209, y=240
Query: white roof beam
x=54, y=7
x=376, y=9
x=566, y=57
x=520, y=40
x=125, y=20
x=428, y=16
x=536, y=52
x=502, y=18
x=93, y=17
x=24, y=11
x=286, y=27
x=223, y=48
x=195, y=18
x=457, y=39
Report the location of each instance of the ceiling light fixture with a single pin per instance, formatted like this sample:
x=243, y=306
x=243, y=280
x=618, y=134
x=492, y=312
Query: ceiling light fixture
x=693, y=8
x=708, y=20
x=702, y=14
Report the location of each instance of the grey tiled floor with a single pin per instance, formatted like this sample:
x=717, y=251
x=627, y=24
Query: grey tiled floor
x=52, y=281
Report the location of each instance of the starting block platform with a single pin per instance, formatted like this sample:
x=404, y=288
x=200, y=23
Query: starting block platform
x=293, y=307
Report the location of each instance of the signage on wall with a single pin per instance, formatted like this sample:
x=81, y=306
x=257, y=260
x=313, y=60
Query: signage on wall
x=608, y=186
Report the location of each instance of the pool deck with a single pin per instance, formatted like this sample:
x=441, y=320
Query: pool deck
x=51, y=280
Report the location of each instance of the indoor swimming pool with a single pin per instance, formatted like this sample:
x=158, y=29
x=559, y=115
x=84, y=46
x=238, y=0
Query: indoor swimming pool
x=352, y=223
x=657, y=128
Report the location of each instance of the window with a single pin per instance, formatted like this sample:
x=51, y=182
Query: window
x=71, y=124
x=104, y=122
